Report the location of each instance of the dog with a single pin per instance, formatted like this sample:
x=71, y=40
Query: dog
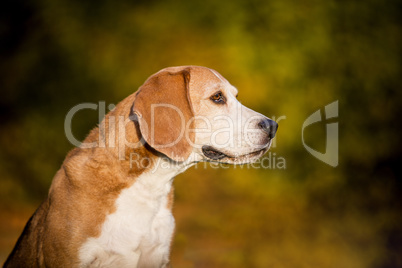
x=106, y=210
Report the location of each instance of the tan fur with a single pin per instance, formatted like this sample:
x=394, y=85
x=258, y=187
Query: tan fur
x=84, y=190
x=169, y=88
x=82, y=194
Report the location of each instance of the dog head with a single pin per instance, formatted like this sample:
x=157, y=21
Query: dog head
x=193, y=111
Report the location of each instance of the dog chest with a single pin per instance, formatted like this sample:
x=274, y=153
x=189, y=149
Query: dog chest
x=138, y=233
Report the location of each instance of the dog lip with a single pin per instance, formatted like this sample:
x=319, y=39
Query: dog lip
x=252, y=154
x=214, y=154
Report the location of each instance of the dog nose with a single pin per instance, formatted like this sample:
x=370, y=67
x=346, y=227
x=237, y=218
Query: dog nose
x=269, y=126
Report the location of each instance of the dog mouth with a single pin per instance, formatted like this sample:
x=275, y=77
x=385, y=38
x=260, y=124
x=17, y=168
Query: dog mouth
x=212, y=153
x=215, y=155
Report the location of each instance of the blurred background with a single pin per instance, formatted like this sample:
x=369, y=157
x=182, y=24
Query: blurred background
x=287, y=58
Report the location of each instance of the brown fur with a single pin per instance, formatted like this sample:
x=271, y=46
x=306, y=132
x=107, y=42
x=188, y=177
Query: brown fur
x=85, y=188
x=166, y=120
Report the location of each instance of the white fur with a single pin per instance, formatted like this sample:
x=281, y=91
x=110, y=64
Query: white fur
x=139, y=232
x=232, y=128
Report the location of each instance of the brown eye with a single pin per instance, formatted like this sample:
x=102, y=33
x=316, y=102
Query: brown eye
x=218, y=98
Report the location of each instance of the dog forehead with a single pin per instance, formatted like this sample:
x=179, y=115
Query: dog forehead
x=203, y=80
x=202, y=75
x=207, y=81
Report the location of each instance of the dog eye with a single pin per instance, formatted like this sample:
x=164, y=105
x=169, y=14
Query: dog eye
x=218, y=98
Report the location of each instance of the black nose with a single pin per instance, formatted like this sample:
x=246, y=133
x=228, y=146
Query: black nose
x=269, y=126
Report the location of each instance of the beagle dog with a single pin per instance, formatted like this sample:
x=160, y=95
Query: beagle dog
x=110, y=203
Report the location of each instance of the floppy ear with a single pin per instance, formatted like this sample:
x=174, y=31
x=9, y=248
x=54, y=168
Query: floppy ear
x=163, y=108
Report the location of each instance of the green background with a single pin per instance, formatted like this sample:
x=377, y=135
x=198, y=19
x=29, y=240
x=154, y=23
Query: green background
x=287, y=58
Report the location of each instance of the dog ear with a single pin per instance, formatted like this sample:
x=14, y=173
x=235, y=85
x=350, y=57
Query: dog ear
x=163, y=108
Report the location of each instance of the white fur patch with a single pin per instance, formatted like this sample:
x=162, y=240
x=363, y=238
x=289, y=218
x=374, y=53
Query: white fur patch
x=139, y=232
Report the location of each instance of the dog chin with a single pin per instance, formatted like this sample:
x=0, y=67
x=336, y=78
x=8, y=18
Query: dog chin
x=214, y=155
